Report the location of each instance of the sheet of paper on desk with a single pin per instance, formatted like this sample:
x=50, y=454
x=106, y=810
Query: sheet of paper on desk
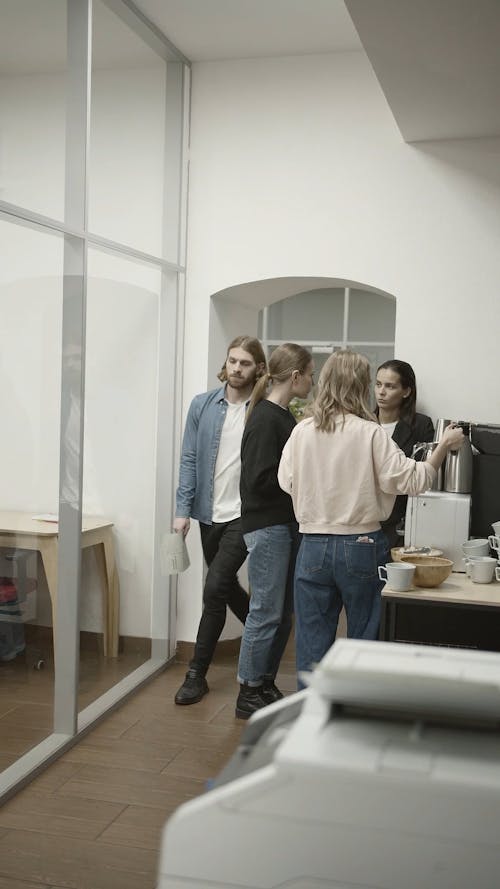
x=46, y=517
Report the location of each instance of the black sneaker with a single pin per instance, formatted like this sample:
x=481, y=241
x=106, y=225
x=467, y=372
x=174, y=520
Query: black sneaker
x=250, y=699
x=270, y=692
x=193, y=689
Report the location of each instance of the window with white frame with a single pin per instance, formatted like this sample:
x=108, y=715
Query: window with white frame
x=327, y=319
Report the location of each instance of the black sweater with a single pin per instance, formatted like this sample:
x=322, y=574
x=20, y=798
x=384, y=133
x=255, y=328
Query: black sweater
x=263, y=503
x=406, y=437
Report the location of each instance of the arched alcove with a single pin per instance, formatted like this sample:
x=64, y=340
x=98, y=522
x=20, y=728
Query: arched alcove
x=321, y=313
x=247, y=308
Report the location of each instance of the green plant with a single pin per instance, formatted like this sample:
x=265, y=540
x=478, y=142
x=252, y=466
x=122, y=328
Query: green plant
x=298, y=407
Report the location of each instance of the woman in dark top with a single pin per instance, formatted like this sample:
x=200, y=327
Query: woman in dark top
x=269, y=526
x=396, y=396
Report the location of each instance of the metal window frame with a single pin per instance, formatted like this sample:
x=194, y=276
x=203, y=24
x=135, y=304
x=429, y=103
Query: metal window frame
x=322, y=346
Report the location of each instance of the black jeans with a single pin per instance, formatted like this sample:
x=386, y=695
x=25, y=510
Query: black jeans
x=224, y=551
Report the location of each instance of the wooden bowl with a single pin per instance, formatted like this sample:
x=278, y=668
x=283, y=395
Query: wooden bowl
x=397, y=553
x=430, y=571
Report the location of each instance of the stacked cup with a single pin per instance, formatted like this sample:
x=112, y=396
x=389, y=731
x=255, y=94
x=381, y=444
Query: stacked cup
x=494, y=539
x=494, y=542
x=479, y=565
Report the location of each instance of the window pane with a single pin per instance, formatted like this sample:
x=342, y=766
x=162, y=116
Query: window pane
x=127, y=135
x=372, y=317
x=121, y=383
x=30, y=360
x=32, y=104
x=314, y=315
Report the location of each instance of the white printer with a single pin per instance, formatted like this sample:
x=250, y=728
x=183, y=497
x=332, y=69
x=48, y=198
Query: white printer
x=383, y=774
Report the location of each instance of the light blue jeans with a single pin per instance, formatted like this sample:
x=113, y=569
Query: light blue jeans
x=271, y=561
x=334, y=570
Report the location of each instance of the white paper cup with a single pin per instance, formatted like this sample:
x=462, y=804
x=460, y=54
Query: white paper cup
x=174, y=554
x=397, y=575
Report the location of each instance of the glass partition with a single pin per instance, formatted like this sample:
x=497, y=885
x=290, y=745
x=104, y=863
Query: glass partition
x=127, y=135
x=30, y=368
x=33, y=80
x=121, y=384
x=90, y=298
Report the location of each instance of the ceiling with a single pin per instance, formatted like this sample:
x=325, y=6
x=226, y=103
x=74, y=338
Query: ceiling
x=437, y=61
x=209, y=30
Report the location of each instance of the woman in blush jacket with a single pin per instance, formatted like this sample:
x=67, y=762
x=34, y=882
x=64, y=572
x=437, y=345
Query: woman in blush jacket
x=343, y=472
x=269, y=526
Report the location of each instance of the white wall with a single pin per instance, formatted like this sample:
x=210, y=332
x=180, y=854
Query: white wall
x=298, y=169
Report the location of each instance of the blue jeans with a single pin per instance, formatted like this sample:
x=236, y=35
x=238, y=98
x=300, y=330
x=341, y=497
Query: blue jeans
x=271, y=562
x=11, y=640
x=334, y=570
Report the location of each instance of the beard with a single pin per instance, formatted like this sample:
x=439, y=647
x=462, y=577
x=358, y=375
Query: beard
x=237, y=382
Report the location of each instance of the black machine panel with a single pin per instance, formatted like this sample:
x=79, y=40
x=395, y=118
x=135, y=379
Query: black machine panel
x=485, y=479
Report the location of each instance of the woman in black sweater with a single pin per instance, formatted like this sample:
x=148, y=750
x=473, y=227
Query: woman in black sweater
x=269, y=526
x=396, y=396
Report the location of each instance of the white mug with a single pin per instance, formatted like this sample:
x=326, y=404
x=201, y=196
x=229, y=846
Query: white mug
x=478, y=547
x=496, y=528
x=494, y=542
x=497, y=572
x=397, y=575
x=481, y=570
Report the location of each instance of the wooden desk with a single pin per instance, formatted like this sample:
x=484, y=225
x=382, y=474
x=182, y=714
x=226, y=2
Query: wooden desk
x=20, y=530
x=459, y=611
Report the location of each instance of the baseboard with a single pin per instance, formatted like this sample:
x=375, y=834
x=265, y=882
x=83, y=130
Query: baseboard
x=39, y=636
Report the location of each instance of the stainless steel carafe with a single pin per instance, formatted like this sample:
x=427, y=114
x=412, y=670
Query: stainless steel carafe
x=441, y=425
x=426, y=448
x=458, y=466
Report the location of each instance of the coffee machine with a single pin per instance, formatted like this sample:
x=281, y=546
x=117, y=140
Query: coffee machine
x=485, y=439
x=441, y=517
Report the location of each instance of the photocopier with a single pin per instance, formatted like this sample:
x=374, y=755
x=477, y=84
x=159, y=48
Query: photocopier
x=384, y=773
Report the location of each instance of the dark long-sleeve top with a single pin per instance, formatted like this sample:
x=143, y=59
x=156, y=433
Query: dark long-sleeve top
x=406, y=437
x=263, y=503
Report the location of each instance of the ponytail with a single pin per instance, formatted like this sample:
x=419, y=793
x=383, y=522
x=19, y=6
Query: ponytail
x=258, y=394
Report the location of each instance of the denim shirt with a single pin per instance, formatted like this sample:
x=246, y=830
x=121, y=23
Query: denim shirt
x=200, y=445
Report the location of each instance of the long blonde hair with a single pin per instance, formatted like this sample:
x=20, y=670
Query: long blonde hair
x=282, y=363
x=343, y=388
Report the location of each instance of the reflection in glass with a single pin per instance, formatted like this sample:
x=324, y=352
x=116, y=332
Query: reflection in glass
x=30, y=362
x=119, y=458
x=127, y=143
x=33, y=73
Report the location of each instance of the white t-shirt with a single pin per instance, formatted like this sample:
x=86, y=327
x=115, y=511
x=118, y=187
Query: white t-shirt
x=389, y=427
x=227, y=503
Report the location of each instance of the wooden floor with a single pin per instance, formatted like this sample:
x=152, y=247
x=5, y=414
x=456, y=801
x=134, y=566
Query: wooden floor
x=93, y=819
x=27, y=695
